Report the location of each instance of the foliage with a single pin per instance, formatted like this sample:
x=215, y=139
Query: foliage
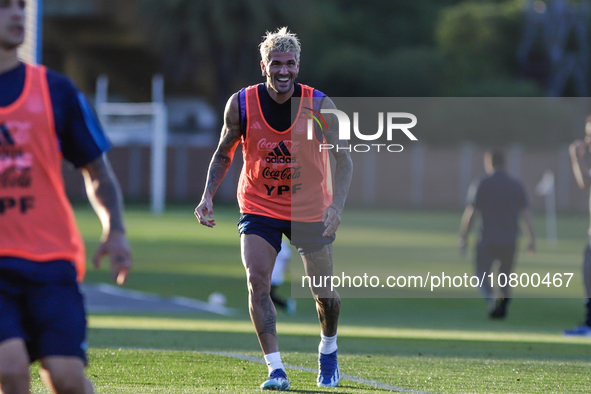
x=405, y=72
x=209, y=44
x=479, y=42
x=212, y=46
x=375, y=48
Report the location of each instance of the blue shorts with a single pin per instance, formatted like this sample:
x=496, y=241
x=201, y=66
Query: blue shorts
x=305, y=236
x=41, y=303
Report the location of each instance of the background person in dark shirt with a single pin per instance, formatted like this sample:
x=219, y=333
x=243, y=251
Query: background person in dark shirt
x=500, y=200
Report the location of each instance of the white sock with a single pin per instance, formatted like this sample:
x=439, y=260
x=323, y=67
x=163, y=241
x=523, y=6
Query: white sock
x=327, y=344
x=273, y=361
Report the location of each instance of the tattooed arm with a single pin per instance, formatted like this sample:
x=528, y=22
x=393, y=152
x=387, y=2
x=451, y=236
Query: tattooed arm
x=105, y=196
x=220, y=162
x=343, y=172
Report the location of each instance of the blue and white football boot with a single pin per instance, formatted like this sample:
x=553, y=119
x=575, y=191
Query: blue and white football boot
x=584, y=331
x=277, y=380
x=328, y=371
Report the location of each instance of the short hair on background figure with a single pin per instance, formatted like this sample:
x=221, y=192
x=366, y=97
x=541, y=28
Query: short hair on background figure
x=496, y=157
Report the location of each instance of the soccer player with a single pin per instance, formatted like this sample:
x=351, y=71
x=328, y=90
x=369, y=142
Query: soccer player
x=578, y=152
x=42, y=119
x=308, y=212
x=501, y=200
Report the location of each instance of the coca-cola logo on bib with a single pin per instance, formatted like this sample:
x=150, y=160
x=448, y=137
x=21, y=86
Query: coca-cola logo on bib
x=265, y=145
x=284, y=174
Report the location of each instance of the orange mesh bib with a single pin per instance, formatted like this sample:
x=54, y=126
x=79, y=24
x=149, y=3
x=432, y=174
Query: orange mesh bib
x=283, y=177
x=36, y=220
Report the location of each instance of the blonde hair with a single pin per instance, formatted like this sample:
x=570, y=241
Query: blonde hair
x=280, y=41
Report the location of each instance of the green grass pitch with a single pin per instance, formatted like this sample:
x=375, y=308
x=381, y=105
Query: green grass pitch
x=434, y=345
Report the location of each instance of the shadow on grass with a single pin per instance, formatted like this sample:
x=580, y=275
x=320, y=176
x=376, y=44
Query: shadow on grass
x=247, y=342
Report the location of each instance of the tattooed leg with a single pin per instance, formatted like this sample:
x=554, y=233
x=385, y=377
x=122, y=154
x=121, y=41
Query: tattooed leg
x=269, y=315
x=328, y=302
x=258, y=257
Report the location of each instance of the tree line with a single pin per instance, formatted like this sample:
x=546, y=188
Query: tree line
x=350, y=48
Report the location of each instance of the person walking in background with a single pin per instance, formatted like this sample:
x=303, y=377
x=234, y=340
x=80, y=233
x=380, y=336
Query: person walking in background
x=500, y=200
x=308, y=210
x=579, y=150
x=43, y=118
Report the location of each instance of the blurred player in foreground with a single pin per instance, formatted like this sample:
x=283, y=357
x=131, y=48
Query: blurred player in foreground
x=42, y=119
x=500, y=200
x=285, y=188
x=579, y=150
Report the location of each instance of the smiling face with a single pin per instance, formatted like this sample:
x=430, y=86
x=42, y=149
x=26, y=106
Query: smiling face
x=12, y=24
x=281, y=71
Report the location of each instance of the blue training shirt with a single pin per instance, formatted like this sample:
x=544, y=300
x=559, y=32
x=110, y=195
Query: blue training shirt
x=80, y=135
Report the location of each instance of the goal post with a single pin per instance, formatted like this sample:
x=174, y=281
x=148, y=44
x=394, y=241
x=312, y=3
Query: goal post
x=139, y=124
x=30, y=51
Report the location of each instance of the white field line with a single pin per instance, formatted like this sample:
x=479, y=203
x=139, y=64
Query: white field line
x=143, y=296
x=374, y=383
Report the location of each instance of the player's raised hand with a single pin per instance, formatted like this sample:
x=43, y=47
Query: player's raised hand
x=204, y=213
x=331, y=218
x=116, y=246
